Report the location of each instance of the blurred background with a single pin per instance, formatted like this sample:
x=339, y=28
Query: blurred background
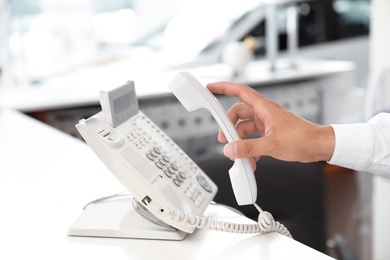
x=48, y=39
x=325, y=60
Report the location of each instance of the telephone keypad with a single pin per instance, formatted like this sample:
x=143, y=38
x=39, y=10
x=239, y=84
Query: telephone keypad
x=170, y=160
x=170, y=170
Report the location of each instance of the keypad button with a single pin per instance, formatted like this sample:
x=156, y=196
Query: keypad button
x=171, y=170
x=152, y=152
x=182, y=175
x=159, y=165
x=168, y=174
x=150, y=156
x=179, y=178
x=174, y=166
x=177, y=182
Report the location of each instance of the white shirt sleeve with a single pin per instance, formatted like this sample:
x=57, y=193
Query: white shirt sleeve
x=364, y=146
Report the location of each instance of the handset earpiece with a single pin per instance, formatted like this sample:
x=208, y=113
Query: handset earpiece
x=193, y=95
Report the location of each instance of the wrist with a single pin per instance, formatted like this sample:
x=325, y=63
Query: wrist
x=326, y=143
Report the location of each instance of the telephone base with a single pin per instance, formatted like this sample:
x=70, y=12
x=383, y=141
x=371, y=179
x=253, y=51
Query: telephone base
x=120, y=219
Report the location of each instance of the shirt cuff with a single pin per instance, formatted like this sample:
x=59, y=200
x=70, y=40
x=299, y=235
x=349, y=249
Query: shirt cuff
x=353, y=146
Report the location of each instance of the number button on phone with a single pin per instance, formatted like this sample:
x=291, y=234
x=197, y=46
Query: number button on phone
x=154, y=153
x=168, y=173
x=177, y=182
x=150, y=156
x=171, y=170
x=174, y=167
x=162, y=162
x=182, y=175
x=159, y=165
x=179, y=178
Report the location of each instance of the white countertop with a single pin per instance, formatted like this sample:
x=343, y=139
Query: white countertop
x=46, y=177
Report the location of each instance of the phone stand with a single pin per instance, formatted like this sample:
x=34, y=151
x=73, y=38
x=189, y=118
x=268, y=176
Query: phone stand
x=121, y=218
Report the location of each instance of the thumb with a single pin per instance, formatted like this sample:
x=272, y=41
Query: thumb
x=245, y=148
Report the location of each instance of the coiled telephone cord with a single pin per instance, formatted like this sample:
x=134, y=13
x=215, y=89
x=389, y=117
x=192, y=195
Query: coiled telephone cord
x=266, y=223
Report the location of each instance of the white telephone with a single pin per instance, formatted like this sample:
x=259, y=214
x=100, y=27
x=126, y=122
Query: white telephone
x=149, y=164
x=160, y=176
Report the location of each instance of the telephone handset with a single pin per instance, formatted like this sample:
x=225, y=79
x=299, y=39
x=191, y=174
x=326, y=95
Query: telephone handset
x=146, y=161
x=193, y=95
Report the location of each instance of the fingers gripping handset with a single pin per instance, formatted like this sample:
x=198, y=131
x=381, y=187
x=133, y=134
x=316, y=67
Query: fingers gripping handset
x=193, y=95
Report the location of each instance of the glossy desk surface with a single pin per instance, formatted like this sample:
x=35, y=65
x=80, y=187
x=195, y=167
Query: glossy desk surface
x=46, y=177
